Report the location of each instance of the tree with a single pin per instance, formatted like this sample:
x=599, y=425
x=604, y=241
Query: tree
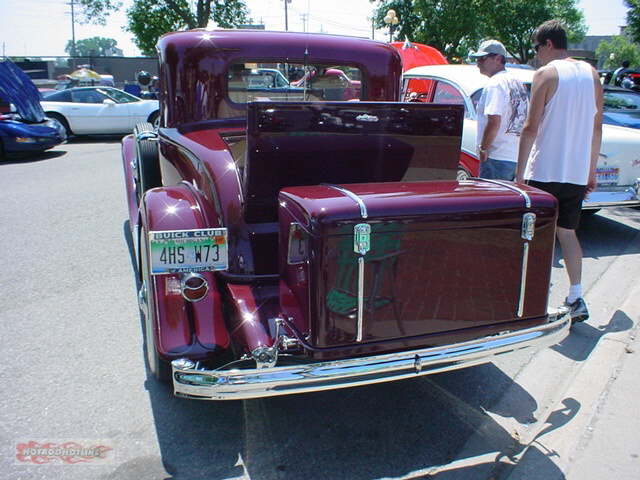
x=96, y=11
x=456, y=26
x=633, y=20
x=617, y=50
x=448, y=25
x=514, y=21
x=101, y=46
x=148, y=19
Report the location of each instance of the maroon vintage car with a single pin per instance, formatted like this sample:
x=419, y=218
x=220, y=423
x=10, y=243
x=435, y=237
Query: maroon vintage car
x=290, y=244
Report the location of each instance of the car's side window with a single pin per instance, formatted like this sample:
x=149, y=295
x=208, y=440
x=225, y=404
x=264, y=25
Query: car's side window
x=87, y=96
x=445, y=93
x=119, y=96
x=475, y=98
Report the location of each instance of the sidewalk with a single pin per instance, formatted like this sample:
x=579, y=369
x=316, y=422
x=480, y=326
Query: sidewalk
x=601, y=440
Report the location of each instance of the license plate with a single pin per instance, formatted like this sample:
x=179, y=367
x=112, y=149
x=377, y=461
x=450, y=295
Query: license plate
x=176, y=251
x=607, y=175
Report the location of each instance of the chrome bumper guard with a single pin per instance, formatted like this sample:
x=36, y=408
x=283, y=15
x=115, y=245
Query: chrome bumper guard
x=240, y=384
x=614, y=197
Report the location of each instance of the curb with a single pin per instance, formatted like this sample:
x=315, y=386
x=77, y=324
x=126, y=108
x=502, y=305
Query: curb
x=585, y=375
x=591, y=386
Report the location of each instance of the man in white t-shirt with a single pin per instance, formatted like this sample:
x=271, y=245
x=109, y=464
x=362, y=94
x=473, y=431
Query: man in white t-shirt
x=502, y=110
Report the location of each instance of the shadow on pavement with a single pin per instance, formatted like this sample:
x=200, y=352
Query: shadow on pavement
x=383, y=430
x=584, y=337
x=95, y=139
x=196, y=439
x=33, y=157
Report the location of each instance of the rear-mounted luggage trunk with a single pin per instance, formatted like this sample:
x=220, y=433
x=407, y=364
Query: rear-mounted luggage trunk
x=386, y=262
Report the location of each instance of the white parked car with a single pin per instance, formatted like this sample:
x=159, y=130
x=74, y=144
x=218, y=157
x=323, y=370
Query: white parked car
x=618, y=170
x=99, y=110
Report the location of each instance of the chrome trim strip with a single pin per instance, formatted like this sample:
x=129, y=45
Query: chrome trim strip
x=360, y=298
x=625, y=203
x=239, y=384
x=523, y=278
x=512, y=187
x=147, y=136
x=352, y=196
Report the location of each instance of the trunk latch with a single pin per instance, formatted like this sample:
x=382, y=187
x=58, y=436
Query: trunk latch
x=528, y=225
x=362, y=238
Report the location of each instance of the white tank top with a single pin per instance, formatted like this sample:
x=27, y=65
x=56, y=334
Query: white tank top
x=562, y=149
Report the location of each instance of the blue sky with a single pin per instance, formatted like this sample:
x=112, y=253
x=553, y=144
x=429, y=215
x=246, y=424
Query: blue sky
x=43, y=27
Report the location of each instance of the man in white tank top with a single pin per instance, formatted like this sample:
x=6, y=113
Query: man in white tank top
x=560, y=142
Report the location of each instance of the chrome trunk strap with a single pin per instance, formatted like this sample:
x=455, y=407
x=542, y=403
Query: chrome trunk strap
x=527, y=233
x=360, y=320
x=510, y=186
x=361, y=237
x=352, y=196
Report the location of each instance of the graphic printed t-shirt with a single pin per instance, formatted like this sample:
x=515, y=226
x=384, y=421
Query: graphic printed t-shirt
x=506, y=96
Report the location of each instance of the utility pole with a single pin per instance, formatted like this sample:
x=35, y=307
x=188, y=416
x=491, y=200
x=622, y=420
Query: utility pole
x=73, y=28
x=286, y=16
x=303, y=16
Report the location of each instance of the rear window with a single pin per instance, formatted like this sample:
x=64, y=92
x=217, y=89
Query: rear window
x=290, y=82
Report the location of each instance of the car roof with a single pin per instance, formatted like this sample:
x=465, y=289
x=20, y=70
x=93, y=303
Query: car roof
x=467, y=77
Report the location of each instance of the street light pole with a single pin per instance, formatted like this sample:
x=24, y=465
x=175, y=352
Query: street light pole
x=392, y=20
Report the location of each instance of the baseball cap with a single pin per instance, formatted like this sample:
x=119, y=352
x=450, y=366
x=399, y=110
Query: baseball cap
x=488, y=47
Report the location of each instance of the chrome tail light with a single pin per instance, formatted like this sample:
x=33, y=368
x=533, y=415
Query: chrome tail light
x=193, y=287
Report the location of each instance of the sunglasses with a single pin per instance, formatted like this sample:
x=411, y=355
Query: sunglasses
x=537, y=46
x=482, y=59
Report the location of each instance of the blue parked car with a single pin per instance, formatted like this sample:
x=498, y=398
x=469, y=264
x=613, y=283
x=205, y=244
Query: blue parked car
x=26, y=129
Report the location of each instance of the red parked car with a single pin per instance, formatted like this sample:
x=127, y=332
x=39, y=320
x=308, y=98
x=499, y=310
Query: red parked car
x=296, y=246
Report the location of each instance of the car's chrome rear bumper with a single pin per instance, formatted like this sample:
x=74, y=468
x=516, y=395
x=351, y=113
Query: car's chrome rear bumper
x=613, y=197
x=239, y=384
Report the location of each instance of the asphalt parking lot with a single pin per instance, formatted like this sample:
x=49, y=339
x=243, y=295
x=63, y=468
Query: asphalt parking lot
x=75, y=370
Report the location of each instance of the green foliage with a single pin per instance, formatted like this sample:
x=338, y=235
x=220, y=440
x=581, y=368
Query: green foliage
x=456, y=26
x=149, y=19
x=96, y=11
x=93, y=46
x=451, y=26
x=617, y=50
x=633, y=20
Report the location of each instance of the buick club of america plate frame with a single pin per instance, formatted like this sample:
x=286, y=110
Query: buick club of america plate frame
x=179, y=251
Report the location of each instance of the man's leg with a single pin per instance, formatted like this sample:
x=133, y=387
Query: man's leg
x=572, y=254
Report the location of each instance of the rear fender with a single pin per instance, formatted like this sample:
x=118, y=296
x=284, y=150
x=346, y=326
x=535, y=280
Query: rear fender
x=248, y=330
x=194, y=329
x=470, y=163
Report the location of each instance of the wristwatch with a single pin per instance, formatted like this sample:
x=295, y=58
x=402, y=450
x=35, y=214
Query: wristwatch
x=482, y=150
